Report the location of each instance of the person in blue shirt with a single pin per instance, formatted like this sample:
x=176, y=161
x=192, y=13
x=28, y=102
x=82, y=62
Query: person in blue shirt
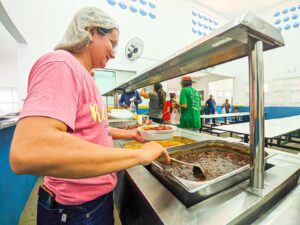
x=210, y=108
x=211, y=105
x=127, y=98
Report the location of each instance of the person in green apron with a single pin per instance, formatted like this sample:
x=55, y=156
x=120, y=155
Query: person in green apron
x=190, y=103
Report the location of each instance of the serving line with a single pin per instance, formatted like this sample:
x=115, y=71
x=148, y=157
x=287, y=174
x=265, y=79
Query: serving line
x=142, y=199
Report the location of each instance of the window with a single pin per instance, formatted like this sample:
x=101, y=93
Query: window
x=9, y=100
x=280, y=92
x=221, y=90
x=105, y=81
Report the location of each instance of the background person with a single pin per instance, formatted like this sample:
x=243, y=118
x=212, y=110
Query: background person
x=190, y=103
x=175, y=110
x=157, y=102
x=127, y=98
x=168, y=109
x=236, y=119
x=210, y=107
x=226, y=106
x=70, y=141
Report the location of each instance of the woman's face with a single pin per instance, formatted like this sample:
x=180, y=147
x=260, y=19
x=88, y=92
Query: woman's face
x=101, y=48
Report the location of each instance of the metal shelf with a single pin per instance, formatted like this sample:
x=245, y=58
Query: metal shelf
x=227, y=43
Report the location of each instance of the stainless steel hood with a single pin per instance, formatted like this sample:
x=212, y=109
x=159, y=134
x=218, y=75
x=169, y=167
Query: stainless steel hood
x=227, y=43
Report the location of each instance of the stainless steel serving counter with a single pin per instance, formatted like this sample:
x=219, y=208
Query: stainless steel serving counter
x=8, y=121
x=142, y=199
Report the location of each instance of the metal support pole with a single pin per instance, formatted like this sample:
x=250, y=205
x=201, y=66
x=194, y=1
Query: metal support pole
x=106, y=99
x=257, y=126
x=116, y=100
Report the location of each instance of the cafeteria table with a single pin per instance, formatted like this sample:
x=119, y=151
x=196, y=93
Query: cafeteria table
x=237, y=115
x=274, y=129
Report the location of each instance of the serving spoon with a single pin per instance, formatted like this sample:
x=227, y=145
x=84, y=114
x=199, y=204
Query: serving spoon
x=197, y=169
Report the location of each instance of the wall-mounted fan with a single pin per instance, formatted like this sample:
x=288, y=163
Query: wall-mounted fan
x=134, y=49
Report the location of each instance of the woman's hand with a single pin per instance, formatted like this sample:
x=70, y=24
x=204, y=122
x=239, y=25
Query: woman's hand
x=135, y=135
x=151, y=151
x=143, y=93
x=108, y=115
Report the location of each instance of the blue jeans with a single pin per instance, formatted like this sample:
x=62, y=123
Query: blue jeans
x=95, y=212
x=209, y=112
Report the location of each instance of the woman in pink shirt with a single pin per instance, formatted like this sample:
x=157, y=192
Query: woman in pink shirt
x=63, y=132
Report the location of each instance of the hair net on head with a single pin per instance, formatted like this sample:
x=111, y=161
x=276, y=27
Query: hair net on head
x=76, y=36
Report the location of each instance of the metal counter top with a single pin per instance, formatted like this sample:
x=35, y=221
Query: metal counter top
x=286, y=211
x=233, y=206
x=8, y=121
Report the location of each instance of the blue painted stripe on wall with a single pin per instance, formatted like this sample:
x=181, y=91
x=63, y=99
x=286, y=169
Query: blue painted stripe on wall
x=274, y=112
x=14, y=189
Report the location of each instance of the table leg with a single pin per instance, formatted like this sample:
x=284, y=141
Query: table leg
x=266, y=142
x=279, y=141
x=246, y=138
x=201, y=124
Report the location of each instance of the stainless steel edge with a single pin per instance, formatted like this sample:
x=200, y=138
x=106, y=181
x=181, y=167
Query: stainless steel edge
x=257, y=120
x=191, y=192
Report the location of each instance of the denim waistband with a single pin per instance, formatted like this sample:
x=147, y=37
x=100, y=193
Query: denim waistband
x=87, y=206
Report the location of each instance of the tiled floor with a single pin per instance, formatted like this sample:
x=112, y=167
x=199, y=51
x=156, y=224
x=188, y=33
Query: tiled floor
x=28, y=216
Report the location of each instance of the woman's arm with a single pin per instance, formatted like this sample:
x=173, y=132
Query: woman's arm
x=167, y=108
x=121, y=104
x=143, y=93
x=126, y=134
x=138, y=98
x=183, y=99
x=184, y=106
x=48, y=149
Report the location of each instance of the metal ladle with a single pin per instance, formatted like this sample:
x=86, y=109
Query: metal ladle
x=197, y=169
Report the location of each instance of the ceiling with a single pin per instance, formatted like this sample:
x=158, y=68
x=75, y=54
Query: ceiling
x=231, y=9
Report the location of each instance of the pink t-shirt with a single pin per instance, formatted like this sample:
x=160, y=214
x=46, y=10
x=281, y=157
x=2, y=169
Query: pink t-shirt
x=60, y=87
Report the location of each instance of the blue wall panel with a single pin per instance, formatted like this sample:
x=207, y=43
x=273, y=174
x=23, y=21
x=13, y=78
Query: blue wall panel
x=279, y=112
x=14, y=189
x=274, y=112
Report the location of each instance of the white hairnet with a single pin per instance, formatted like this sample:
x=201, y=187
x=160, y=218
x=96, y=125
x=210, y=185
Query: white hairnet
x=76, y=36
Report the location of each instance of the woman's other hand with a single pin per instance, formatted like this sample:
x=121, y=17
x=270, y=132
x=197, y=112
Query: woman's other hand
x=135, y=135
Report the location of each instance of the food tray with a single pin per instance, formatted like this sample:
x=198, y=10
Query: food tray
x=172, y=142
x=121, y=122
x=151, y=135
x=192, y=192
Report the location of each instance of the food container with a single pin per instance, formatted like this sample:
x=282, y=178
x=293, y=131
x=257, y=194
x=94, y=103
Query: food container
x=172, y=142
x=151, y=135
x=191, y=192
x=143, y=119
x=122, y=114
x=121, y=123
